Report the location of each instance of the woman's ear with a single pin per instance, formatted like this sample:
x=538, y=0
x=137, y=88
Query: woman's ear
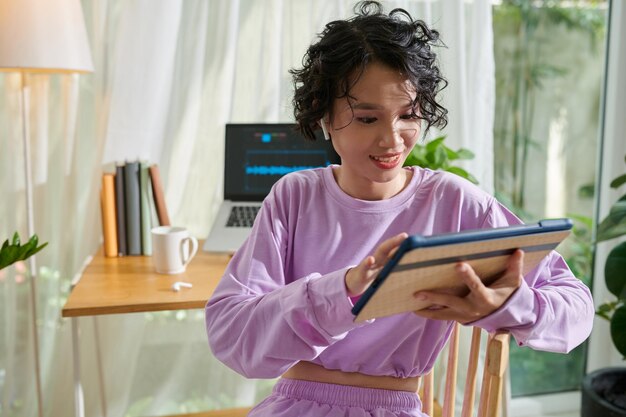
x=324, y=129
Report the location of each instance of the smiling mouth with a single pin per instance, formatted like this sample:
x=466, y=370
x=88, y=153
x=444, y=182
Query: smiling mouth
x=386, y=159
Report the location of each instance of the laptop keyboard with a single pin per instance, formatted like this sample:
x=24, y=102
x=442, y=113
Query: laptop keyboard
x=242, y=216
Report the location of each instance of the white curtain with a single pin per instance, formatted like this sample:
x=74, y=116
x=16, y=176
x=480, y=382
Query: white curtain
x=168, y=75
x=66, y=215
x=468, y=64
x=215, y=62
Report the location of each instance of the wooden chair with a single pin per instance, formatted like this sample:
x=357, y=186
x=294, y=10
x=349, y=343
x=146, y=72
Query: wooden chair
x=496, y=361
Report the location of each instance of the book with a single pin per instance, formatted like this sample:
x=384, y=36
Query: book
x=429, y=264
x=146, y=208
x=159, y=197
x=120, y=210
x=132, y=208
x=109, y=223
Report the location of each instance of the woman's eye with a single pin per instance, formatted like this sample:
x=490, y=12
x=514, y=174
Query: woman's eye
x=367, y=120
x=410, y=116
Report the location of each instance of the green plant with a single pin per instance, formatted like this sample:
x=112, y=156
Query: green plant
x=612, y=226
x=15, y=251
x=525, y=68
x=437, y=156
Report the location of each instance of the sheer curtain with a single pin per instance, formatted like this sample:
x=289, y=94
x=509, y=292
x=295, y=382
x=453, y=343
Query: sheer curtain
x=66, y=202
x=169, y=74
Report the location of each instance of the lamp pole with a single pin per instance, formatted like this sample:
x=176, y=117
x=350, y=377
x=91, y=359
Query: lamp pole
x=30, y=228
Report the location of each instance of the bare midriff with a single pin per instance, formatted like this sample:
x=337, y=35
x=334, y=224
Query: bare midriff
x=307, y=371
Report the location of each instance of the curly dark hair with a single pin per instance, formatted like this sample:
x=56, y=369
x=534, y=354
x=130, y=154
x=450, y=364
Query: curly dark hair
x=344, y=49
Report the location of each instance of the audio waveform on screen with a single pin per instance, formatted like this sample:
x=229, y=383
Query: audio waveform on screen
x=274, y=169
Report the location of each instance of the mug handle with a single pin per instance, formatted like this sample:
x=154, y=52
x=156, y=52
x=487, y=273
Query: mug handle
x=192, y=252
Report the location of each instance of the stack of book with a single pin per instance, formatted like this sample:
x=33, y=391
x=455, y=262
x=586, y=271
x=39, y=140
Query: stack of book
x=132, y=204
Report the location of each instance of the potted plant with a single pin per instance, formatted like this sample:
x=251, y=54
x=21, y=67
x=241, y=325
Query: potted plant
x=604, y=391
x=15, y=251
x=437, y=156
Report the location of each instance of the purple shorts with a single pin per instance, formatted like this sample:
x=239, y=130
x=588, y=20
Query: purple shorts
x=294, y=398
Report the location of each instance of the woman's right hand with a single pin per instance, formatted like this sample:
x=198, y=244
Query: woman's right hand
x=361, y=276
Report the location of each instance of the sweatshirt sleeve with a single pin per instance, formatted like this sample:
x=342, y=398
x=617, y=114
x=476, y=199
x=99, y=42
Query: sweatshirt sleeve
x=551, y=311
x=260, y=322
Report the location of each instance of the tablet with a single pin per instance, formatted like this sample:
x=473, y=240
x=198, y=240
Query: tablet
x=428, y=263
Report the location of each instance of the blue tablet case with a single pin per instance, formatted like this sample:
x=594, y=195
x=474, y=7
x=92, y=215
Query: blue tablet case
x=428, y=263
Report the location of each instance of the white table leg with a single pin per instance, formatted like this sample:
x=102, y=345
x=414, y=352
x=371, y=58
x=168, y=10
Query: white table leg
x=79, y=399
x=103, y=395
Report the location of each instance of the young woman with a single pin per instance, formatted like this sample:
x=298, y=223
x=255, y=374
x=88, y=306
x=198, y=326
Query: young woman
x=283, y=304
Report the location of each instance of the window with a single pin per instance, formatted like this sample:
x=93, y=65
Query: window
x=549, y=68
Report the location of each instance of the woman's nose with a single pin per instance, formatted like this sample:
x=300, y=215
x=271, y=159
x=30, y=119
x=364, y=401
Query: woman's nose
x=394, y=134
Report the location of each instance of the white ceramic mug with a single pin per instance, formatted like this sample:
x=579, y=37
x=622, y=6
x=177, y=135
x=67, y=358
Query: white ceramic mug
x=172, y=249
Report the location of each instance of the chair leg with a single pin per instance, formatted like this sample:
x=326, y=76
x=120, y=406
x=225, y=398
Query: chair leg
x=470, y=381
x=428, y=397
x=451, y=373
x=496, y=362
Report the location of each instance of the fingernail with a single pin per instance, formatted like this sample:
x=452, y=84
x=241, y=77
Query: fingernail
x=461, y=267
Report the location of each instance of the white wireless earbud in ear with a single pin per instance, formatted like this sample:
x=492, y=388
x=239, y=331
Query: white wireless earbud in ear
x=178, y=284
x=324, y=129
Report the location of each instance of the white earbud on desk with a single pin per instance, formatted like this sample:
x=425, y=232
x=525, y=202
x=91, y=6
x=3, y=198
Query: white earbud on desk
x=179, y=284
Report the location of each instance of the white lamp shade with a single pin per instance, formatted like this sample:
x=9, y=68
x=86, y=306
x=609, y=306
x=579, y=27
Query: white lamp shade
x=43, y=36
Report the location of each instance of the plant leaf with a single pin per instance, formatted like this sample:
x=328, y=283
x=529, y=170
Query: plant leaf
x=31, y=246
x=614, y=271
x=22, y=252
x=458, y=171
x=450, y=154
x=462, y=173
x=614, y=224
x=4, y=259
x=434, y=144
x=465, y=154
x=586, y=191
x=38, y=249
x=618, y=329
x=436, y=156
x=608, y=231
x=439, y=157
x=419, y=151
x=11, y=253
x=607, y=307
x=617, y=182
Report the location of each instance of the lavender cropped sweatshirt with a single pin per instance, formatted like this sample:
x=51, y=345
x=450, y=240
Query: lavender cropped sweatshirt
x=283, y=299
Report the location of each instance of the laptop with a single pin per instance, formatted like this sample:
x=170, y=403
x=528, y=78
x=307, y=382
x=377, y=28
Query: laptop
x=256, y=156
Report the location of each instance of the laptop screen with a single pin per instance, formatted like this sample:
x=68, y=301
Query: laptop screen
x=257, y=155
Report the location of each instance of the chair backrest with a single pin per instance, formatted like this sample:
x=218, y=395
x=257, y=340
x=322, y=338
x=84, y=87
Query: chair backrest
x=496, y=360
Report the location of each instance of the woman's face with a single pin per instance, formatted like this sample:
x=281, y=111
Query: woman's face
x=373, y=132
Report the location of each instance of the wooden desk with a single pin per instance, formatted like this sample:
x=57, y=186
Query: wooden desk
x=130, y=285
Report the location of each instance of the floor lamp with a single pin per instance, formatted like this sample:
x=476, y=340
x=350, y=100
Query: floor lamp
x=38, y=36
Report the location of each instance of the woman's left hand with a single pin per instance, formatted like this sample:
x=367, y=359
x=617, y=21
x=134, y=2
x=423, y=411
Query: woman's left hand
x=480, y=301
